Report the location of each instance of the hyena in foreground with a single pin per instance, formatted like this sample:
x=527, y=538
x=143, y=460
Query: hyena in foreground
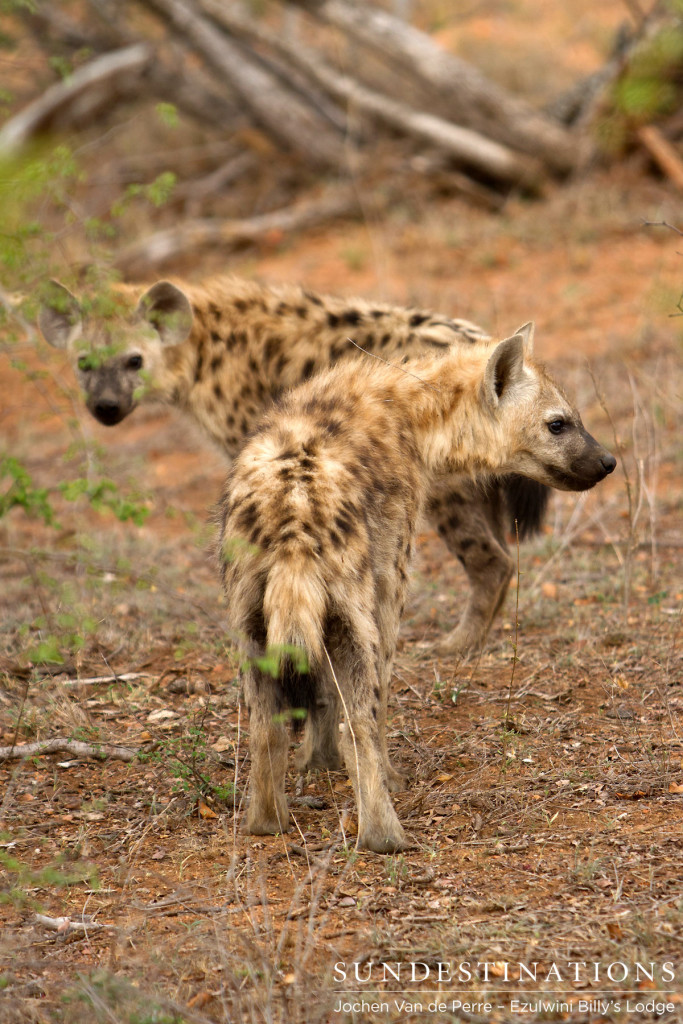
x=225, y=350
x=317, y=525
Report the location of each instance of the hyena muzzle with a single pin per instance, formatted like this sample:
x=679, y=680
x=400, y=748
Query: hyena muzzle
x=317, y=525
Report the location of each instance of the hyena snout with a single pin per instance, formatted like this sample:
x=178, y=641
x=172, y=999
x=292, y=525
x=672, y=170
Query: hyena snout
x=587, y=462
x=109, y=411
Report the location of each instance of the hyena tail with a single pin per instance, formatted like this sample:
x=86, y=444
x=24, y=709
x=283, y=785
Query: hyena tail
x=294, y=610
x=526, y=501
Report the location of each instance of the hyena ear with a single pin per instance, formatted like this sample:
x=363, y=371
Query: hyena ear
x=168, y=310
x=527, y=333
x=59, y=317
x=504, y=370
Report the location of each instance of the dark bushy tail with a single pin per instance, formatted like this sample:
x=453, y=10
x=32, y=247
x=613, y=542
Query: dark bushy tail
x=527, y=501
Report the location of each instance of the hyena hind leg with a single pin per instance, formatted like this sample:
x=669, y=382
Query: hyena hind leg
x=267, y=812
x=320, y=746
x=471, y=520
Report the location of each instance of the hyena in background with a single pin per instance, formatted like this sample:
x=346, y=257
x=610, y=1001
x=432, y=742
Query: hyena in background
x=317, y=525
x=223, y=351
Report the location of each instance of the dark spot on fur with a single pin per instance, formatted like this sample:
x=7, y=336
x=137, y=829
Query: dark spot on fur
x=332, y=320
x=215, y=310
x=248, y=516
x=302, y=312
x=215, y=336
x=344, y=524
x=466, y=543
x=230, y=419
x=376, y=692
x=306, y=463
x=336, y=539
x=216, y=362
x=377, y=314
x=272, y=347
x=241, y=305
x=282, y=362
x=351, y=317
x=417, y=319
x=218, y=391
x=199, y=368
x=307, y=369
x=244, y=425
x=315, y=299
x=454, y=522
x=386, y=338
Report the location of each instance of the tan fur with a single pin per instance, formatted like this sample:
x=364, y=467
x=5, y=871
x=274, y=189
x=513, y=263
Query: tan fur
x=243, y=345
x=318, y=522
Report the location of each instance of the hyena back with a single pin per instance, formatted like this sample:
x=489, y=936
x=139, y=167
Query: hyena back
x=223, y=351
x=317, y=525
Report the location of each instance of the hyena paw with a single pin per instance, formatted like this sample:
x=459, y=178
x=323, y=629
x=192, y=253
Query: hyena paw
x=387, y=839
x=328, y=760
x=396, y=780
x=460, y=642
x=266, y=823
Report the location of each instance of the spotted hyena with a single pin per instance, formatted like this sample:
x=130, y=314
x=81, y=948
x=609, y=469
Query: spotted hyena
x=223, y=351
x=317, y=525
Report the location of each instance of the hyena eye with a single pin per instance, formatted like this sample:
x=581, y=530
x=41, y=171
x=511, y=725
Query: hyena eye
x=134, y=363
x=556, y=426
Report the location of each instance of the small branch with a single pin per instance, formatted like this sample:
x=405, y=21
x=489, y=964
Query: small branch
x=663, y=153
x=100, y=751
x=65, y=924
x=193, y=234
x=94, y=680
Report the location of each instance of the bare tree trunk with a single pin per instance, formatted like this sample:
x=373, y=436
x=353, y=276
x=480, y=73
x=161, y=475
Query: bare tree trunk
x=474, y=100
x=293, y=124
x=462, y=144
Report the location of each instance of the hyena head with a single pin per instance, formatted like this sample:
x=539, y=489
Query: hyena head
x=544, y=435
x=116, y=347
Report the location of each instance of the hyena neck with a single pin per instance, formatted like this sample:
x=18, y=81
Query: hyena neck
x=455, y=431
x=176, y=379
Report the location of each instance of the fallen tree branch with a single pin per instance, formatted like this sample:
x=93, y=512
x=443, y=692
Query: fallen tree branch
x=67, y=924
x=79, y=96
x=195, y=234
x=471, y=99
x=464, y=145
x=663, y=153
x=100, y=751
x=290, y=121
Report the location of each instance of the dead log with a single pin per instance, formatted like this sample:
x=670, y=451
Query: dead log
x=291, y=122
x=80, y=97
x=467, y=147
x=472, y=99
x=191, y=235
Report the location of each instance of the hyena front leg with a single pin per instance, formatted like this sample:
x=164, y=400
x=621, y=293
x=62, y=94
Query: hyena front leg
x=390, y=600
x=470, y=519
x=267, y=812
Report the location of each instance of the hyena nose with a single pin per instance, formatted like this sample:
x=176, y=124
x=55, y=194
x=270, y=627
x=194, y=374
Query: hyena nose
x=608, y=463
x=108, y=412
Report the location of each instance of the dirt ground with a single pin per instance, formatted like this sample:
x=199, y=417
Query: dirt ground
x=545, y=802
